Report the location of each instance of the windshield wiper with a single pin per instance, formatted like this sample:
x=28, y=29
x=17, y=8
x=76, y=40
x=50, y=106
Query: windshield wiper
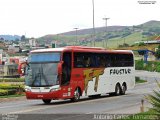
x=40, y=75
x=43, y=75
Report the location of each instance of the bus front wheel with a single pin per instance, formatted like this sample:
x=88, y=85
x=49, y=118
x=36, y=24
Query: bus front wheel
x=47, y=101
x=117, y=90
x=76, y=95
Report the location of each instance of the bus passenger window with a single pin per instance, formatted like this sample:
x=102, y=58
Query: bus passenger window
x=102, y=62
x=87, y=62
x=78, y=63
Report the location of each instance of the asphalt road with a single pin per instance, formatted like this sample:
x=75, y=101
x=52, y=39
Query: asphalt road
x=104, y=107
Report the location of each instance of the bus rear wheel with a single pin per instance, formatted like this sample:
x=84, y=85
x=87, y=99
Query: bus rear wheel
x=123, y=90
x=76, y=95
x=47, y=101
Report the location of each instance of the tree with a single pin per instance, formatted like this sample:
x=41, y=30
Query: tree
x=23, y=38
x=157, y=54
x=2, y=39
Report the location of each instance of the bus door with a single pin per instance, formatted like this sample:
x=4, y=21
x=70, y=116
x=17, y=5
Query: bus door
x=66, y=74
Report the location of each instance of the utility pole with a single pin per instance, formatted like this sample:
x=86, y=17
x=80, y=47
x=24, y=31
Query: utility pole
x=124, y=35
x=57, y=37
x=94, y=32
x=76, y=36
x=106, y=28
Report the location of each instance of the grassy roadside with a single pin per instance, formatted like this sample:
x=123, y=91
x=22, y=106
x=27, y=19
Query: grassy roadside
x=150, y=66
x=153, y=113
x=11, y=90
x=16, y=80
x=11, y=96
x=138, y=80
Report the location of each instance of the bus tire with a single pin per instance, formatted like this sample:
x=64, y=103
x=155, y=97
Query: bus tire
x=46, y=101
x=76, y=95
x=117, y=90
x=123, y=89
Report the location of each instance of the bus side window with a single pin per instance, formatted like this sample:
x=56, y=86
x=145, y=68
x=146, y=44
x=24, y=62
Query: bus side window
x=87, y=62
x=111, y=60
x=107, y=60
x=78, y=60
x=102, y=61
x=90, y=60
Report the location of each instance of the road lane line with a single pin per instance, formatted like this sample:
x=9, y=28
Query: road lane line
x=16, y=104
x=43, y=107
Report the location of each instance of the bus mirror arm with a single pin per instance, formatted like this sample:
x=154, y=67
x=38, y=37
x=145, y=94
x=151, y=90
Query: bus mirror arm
x=21, y=68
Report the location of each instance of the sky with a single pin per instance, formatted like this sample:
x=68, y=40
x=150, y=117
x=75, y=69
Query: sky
x=36, y=18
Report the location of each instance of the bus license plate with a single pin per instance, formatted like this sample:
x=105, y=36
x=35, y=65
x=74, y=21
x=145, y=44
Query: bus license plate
x=40, y=96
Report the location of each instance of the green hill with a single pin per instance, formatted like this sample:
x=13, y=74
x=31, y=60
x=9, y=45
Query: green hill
x=151, y=24
x=116, y=35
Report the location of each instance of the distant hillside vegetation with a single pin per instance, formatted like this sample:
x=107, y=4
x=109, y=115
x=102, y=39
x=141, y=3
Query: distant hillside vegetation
x=98, y=30
x=10, y=37
x=115, y=36
x=151, y=24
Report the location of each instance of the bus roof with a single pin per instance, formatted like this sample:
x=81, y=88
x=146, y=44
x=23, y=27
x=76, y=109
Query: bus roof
x=81, y=49
x=48, y=50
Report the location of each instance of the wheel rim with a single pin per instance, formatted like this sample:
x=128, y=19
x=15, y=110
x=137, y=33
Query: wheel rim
x=118, y=90
x=123, y=89
x=76, y=95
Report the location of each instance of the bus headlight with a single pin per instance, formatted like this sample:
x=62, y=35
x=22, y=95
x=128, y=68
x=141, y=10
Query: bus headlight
x=27, y=90
x=55, y=89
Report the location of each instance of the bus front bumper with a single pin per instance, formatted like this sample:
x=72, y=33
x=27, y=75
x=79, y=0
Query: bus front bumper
x=43, y=95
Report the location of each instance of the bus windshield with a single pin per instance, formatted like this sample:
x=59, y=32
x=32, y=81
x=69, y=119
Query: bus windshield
x=42, y=69
x=44, y=57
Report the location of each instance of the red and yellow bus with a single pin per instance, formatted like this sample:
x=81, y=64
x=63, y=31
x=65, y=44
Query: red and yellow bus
x=74, y=71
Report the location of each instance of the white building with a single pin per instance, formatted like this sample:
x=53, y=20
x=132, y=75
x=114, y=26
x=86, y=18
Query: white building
x=32, y=42
x=13, y=48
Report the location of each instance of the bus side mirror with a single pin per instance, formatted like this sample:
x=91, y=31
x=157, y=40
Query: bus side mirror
x=60, y=67
x=21, y=68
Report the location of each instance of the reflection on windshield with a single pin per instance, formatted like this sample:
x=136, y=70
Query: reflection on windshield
x=41, y=74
